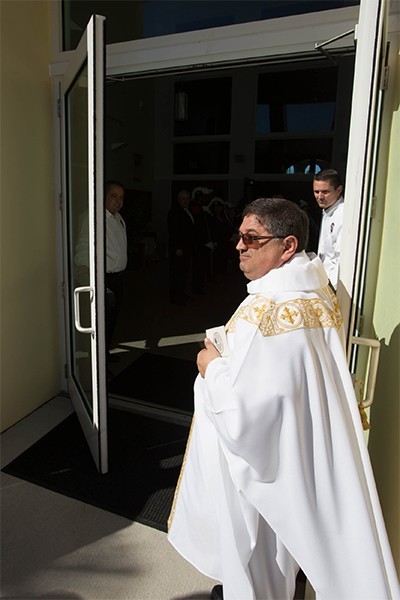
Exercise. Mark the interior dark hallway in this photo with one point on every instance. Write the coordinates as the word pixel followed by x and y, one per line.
pixel 149 325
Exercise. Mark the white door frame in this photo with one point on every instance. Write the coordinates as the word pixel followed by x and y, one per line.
pixel 259 40
pixel 90 401
pixel 361 155
pixel 266 40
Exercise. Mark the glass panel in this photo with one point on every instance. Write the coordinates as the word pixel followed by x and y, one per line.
pixel 78 228
pixel 296 101
pixel 201 158
pixel 133 19
pixel 303 155
pixel 203 107
pixel 310 116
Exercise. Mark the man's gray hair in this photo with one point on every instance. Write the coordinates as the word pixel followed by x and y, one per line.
pixel 280 217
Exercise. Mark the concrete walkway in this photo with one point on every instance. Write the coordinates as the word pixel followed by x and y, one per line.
pixel 54 547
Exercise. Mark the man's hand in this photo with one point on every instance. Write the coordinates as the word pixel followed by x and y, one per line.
pixel 206 355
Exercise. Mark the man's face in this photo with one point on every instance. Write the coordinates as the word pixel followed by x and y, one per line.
pixel 265 255
pixel 115 199
pixel 184 199
pixel 325 194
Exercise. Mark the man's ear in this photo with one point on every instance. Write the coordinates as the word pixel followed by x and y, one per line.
pixel 290 244
pixel 340 190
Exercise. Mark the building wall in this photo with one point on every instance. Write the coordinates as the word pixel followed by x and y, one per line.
pixel 384 440
pixel 30 356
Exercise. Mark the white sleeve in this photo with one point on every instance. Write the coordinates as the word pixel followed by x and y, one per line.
pixel 248 415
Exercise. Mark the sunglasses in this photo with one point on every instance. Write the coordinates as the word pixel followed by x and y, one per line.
pixel 250 240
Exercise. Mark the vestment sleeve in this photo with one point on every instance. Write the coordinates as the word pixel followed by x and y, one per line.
pixel 247 415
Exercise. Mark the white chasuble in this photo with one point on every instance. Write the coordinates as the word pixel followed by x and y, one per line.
pixel 277 475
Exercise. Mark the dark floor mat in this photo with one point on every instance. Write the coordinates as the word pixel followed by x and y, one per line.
pixel 145 456
pixel 162 380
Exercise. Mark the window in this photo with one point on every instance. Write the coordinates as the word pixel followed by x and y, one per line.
pixel 295 120
pixel 203 107
pixel 201 158
pixel 137 19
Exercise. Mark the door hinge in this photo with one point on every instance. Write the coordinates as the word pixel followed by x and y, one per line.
pixel 360 325
pixel 61 202
pixel 372 212
pixel 59 108
pixel 63 289
pixel 385 78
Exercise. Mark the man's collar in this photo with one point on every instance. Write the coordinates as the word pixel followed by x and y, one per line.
pixel 332 207
pixel 302 272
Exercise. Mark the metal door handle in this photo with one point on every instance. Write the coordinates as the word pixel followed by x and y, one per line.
pixel 374 346
pixel 77 315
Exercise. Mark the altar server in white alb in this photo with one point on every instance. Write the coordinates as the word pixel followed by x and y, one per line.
pixel 276 475
pixel 328 192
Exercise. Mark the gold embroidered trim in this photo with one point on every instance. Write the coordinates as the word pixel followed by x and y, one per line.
pixel 178 485
pixel 300 313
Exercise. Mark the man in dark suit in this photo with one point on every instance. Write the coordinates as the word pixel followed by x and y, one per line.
pixel 181 244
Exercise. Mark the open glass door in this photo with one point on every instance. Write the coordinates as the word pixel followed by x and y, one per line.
pixel 82 127
pixel 370 67
pixel 362 151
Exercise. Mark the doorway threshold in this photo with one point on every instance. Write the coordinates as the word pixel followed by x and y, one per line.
pixel 148 409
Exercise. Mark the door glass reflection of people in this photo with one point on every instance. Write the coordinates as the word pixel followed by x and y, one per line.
pixel 116 256
pixel 181 240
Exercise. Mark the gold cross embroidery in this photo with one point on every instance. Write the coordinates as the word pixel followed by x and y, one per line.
pixel 259 310
pixel 288 314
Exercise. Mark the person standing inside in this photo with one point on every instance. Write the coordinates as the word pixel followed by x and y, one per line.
pixel 181 246
pixel 204 245
pixel 328 192
pixel 116 258
pixel 221 233
pixel 277 475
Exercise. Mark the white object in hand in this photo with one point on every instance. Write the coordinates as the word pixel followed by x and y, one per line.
pixel 218 337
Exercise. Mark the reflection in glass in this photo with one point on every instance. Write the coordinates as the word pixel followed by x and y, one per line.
pixel 302 100
pixel 201 158
pixel 78 228
pixel 203 107
pixel 262 119
pixel 309 116
pixel 308 167
pixel 291 156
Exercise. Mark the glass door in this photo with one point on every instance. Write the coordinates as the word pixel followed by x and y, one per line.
pixel 362 153
pixel 82 111
pixel 355 264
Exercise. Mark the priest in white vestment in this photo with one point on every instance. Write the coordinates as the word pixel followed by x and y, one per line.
pixel 276 475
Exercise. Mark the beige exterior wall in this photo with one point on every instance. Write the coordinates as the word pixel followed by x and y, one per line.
pixel 29 321
pixel 384 441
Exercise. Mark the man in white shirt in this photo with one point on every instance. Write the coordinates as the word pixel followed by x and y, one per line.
pixel 277 475
pixel 328 191
pixel 116 256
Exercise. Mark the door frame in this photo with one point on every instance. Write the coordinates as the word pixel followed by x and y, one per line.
pixel 360 174
pixel 225 46
pixel 94 421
